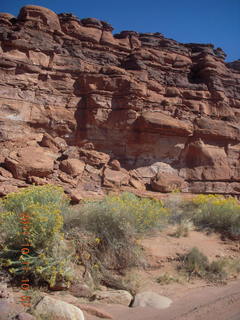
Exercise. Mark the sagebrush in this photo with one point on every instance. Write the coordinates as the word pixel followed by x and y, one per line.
pixel 114 226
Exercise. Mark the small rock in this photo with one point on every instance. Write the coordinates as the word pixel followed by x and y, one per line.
pixel 115 165
pixel 114 296
pixel 81 290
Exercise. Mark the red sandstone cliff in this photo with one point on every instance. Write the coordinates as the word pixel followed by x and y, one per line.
pixel 88 110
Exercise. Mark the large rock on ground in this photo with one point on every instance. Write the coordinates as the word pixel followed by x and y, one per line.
pixel 74 167
pixel 166 182
pixel 113 178
pixel 114 296
pixel 58 310
pixel 81 290
pixel 30 161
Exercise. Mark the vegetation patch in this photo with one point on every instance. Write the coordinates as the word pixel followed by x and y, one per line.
pixel 107 232
pixel 104 236
pixel 210 212
pixel 167 278
pixel 34 215
pixel 196 264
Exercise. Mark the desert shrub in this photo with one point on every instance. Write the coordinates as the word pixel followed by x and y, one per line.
pixel 183 228
pixel 140 214
pixel 233 266
pixel 195 263
pixel 114 224
pixel 41 210
pixel 174 204
pixel 210 212
pixel 166 278
pixel 216 270
pixel 217 213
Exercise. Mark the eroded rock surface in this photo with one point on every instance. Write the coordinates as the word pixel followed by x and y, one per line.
pixel 88 109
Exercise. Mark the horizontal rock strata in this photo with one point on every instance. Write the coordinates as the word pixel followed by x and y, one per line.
pixel 88 109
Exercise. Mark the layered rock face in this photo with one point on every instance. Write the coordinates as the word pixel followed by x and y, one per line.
pixel 90 110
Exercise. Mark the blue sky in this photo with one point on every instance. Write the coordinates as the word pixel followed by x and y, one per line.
pixel 203 21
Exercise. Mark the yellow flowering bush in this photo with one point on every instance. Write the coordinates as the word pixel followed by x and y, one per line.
pixel 32 218
pixel 217 213
pixel 144 214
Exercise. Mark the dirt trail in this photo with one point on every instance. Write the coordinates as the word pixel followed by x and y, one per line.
pixel 216 303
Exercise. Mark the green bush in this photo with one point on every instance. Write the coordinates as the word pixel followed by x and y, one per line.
pixel 183 229
pixel 41 209
pixel 195 263
pixel 116 222
pixel 168 279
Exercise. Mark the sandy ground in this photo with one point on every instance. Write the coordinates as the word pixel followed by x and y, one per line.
pixel 193 300
pixel 216 303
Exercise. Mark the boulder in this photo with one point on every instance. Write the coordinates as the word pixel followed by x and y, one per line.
pixel 114 296
pixel 58 310
pixel 115 165
pixel 151 299
pixel 94 158
pixel 73 167
pixel 52 143
pixel 81 290
pixel 7 188
pixel 205 161
pixel 167 182
pixel 113 178
pixel 30 161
